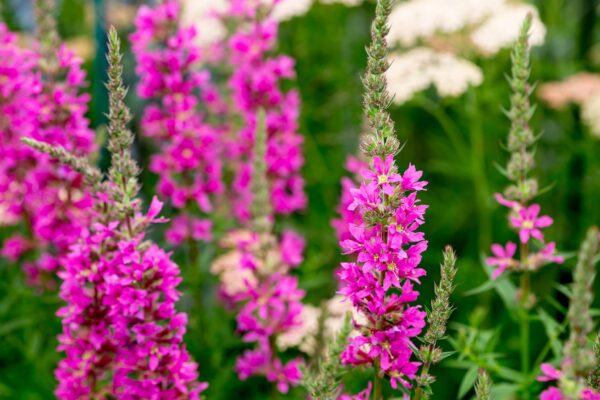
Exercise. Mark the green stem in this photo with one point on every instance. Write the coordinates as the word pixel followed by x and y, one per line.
pixel 424 372
pixel 525 304
pixel 377 383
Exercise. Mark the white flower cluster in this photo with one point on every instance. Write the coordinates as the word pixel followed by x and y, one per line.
pixel 481 26
pixel 419 19
pixel 417 69
pixel 582 89
pixel 204 15
pixel 347 3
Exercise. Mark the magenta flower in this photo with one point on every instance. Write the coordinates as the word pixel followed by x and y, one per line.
pixel 188 162
pixel 122 336
pixel 549 373
pixel 34 190
pixel 256 84
pixel 381 173
pixel 503 258
pixel 528 222
pixel 379 281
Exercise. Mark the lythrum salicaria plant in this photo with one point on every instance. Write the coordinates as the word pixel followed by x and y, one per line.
pixel 387 244
pixel 40 98
pixel 256 83
pixel 189 157
pixel 524 215
pixel 122 336
pixel 577 376
pixel 256 281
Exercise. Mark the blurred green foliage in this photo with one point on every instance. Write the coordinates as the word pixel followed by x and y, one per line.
pixel 457 142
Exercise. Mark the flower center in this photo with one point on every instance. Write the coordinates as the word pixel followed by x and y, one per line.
pixel 528 224
pixel 186 153
pixel 391 266
pixel 381 179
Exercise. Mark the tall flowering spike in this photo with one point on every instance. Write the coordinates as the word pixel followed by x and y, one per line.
pixel 123 172
pixel 524 217
pixel 40 98
pixel 521 136
pixel 577 348
pixel 437 320
pixel 122 336
pixel 257 282
pixel 483 387
pixel 257 83
pixel 183 105
pixel 386 241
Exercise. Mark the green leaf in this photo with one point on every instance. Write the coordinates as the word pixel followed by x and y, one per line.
pixel 468 381
pixel 553 330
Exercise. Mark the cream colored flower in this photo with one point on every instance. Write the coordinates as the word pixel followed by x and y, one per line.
pixel 303 336
pixel 347 3
pixel 576 89
pixel 288 9
pixel 502 28
pixel 418 19
pixel 203 14
pixel 590 113
pixel 421 67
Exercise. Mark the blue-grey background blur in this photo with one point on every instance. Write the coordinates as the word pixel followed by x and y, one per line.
pixel 328 44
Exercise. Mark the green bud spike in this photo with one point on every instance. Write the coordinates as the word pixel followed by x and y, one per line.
pixel 578 349
pixel 521 137
pixel 261 202
pixel 123 171
pixel 92 176
pixel 382 141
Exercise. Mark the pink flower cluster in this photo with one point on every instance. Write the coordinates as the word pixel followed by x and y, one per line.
pixel 51 111
pixel 380 282
pixel 527 221
pixel 256 84
pixel 189 162
pixel 121 334
pixel 268 301
pixel 549 373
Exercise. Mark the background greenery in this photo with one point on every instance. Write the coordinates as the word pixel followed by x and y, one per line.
pixel 457 142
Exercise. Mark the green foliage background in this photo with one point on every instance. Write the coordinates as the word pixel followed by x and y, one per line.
pixel 457 143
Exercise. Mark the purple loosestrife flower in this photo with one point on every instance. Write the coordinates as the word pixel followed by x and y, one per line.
pixel 189 160
pixel 122 336
pixel 40 98
pixel 256 281
pixel 524 217
pixel 385 239
pixel 256 84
